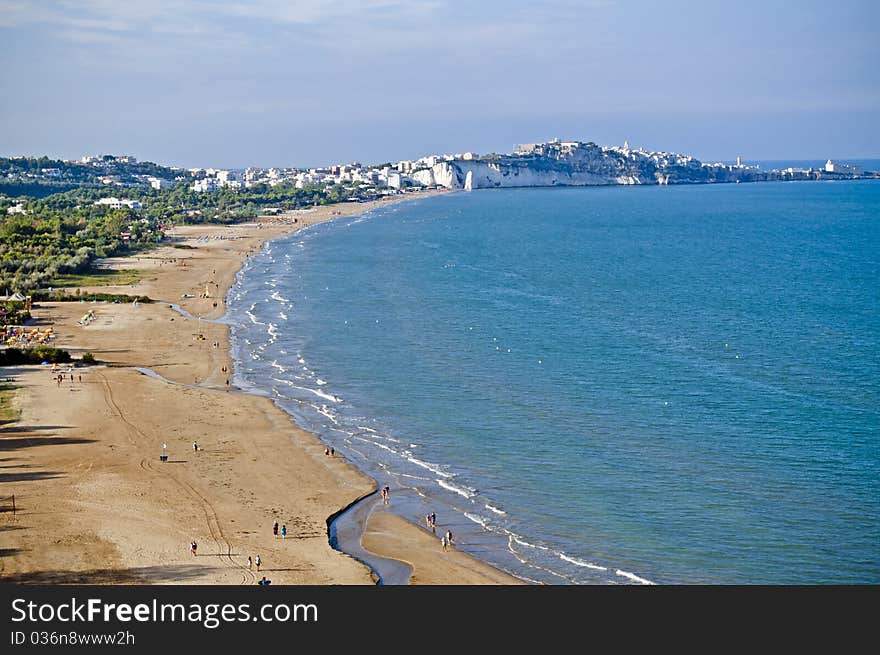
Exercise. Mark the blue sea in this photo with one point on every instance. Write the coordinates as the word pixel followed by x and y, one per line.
pixel 674 384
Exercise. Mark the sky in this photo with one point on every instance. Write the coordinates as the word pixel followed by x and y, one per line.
pixel 235 83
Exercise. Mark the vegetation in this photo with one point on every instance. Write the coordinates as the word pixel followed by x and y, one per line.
pixel 55 231
pixel 7 410
pixel 14 313
pixel 61 295
pixel 101 277
pixel 88 358
pixel 37 355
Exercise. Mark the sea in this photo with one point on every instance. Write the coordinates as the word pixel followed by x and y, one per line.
pixel 602 385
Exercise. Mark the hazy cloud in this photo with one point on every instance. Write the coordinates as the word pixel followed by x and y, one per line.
pixel 213 80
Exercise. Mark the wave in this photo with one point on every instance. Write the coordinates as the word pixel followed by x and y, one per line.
pixel 277 296
pixel 467 492
pixel 325 411
pixel 479 520
pixel 253 318
pixel 633 577
pixel 282 316
pixel 580 562
pixel 317 392
pixel 523 542
pixel 511 538
pixel 433 468
pixel 378 445
pixel 495 509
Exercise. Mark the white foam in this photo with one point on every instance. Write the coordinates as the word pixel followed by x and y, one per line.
pixel 511 538
pixel 633 577
pixel 414 477
pixel 495 509
pixel 320 382
pixel 433 468
pixel 252 317
pixel 377 444
pixel 479 520
pixel 466 492
pixel 317 392
pixel 523 542
pixel 273 331
pixel 277 296
pixel 282 316
pixel 325 411
pixel 580 562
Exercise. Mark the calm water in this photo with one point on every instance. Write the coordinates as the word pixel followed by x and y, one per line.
pixel 612 385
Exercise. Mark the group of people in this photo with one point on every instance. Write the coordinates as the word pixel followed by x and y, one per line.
pixel 283 530
pixel 254 562
pixel 431 523
pixel 386 490
pixel 329 451
pixel 60 378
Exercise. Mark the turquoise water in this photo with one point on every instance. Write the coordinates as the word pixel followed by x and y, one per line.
pixel 598 385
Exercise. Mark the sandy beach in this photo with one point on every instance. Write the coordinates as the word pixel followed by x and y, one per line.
pixel 94 502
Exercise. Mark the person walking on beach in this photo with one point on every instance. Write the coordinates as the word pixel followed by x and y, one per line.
pixel 385 491
pixel 195 447
pixel 449 536
pixel 428 520
pixel 257 563
pixel 193 547
pixel 250 563
pixel 444 542
pixel 284 531
pixel 433 521
pixel 275 529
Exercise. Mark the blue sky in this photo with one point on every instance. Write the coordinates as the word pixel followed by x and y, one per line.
pixel 268 82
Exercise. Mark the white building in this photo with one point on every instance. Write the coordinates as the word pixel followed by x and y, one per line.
pixel 226 176
pixel 206 184
pixel 158 182
pixel 117 203
pixel 17 209
pixel 846 169
pixel 395 180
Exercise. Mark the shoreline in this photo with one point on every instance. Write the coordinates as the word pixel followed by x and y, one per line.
pixel 116 520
